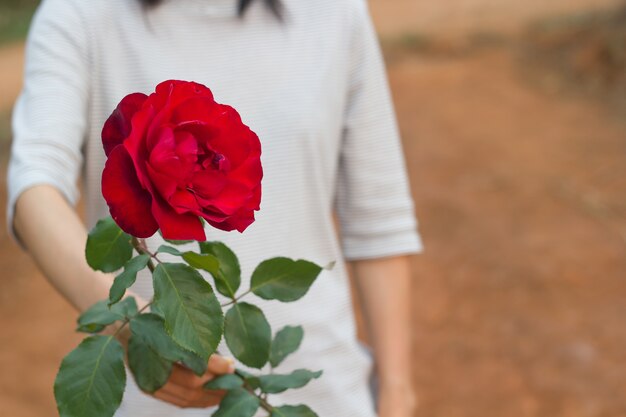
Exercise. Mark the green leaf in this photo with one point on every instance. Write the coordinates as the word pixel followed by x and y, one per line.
pixel 250 379
pixel 193 316
pixel 154 309
pixel 283 279
pixel 228 278
pixel 273 384
pixel 166 347
pixel 127 278
pixel 150 327
pixel 170 250
pixel 193 362
pixel 206 262
pixel 248 334
pixel 108 247
pixel 128 307
pixel 230 381
pixel 98 316
pixel 91 379
pixel 253 381
pixel 238 403
pixel 293 411
pixel 285 343
pixel 151 353
pixel 150 369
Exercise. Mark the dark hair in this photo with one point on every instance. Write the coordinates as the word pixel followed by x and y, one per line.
pixel 274 5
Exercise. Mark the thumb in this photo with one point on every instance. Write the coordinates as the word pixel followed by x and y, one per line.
pixel 220 365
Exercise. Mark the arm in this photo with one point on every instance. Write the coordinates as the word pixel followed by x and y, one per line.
pixel 49 124
pixel 384 290
pixel 376 215
pixel 52 232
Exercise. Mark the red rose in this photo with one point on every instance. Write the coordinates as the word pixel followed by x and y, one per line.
pixel 176 156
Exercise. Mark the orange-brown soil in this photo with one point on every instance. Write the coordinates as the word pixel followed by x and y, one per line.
pixel 520 296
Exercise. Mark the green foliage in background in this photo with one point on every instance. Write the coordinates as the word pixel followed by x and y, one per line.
pixel 5 128
pixel 15 16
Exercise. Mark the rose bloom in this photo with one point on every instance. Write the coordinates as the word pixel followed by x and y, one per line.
pixel 176 156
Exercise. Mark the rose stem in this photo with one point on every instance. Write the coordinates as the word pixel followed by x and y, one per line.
pixel 141 247
pixel 128 319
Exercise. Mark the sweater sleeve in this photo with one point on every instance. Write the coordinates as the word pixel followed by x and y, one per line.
pixel 50 116
pixel 373 201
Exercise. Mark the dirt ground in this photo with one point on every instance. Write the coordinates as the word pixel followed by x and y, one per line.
pixel 458 17
pixel 520 297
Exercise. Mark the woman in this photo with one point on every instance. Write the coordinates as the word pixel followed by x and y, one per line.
pixel 312 85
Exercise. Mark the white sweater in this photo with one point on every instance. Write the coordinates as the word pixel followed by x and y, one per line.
pixel 313 88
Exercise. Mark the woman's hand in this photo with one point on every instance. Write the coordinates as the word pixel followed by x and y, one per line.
pixel 184 388
pixel 384 289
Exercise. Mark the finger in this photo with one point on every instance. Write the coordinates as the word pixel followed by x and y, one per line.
pixel 171 389
pixel 221 365
pixel 186 378
pixel 192 397
pixel 169 398
pixel 209 401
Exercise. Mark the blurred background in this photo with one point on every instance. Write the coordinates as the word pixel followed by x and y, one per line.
pixel 513 116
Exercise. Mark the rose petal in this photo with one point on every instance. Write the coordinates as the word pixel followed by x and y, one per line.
pixel 255 201
pixel 250 172
pixel 208 184
pixel 234 139
pixel 219 127
pixel 162 147
pixel 239 221
pixel 169 94
pixel 202 131
pixel 183 201
pixel 174 160
pixel 232 198
pixel 159 135
pixel 212 215
pixel 176 91
pixel 176 226
pixel 186 146
pixel 163 184
pixel 135 144
pixel 129 203
pixel 118 126
pixel 196 109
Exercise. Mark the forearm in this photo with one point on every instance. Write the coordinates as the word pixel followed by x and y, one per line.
pixel 55 237
pixel 384 290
